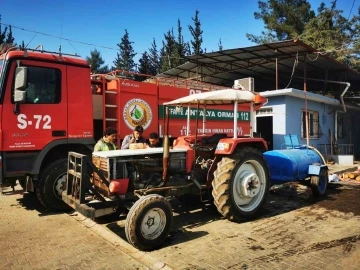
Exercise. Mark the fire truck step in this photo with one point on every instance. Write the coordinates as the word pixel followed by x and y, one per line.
pixel 111 92
pixel 111 119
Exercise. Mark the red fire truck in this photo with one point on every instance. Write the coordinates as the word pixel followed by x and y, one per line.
pixel 50 104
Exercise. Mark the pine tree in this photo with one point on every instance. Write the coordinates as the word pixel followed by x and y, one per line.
pixel 220 45
pixel 97 62
pixel 170 57
pixel 154 59
pixel 283 19
pixel 125 56
pixel 145 66
pixel 6 39
pixel 196 33
pixel 182 47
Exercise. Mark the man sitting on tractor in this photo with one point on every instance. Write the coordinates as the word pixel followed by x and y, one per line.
pixel 135 137
pixel 106 143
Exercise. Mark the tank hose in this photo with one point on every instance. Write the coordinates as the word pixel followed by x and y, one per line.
pixel 317 151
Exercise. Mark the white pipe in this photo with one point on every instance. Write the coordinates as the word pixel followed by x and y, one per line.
pixel 204 118
pixel 235 118
pixel 252 120
pixel 188 121
pixel 338 82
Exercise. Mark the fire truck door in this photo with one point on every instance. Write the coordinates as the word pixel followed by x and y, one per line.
pixel 43 117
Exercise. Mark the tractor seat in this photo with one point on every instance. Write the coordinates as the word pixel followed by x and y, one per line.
pixel 215 138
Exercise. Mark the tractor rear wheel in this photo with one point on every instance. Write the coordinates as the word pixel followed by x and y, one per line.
pixel 319 183
pixel 149 221
pixel 241 184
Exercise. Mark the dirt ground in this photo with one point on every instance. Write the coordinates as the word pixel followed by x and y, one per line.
pixel 294 230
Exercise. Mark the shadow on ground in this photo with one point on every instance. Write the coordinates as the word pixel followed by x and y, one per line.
pixel 190 213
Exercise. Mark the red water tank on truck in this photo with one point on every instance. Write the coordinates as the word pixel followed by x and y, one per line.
pixel 50 104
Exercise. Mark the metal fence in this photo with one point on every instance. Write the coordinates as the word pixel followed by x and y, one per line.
pixel 336 149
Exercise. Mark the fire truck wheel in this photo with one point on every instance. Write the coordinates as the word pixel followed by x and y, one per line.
pixel 148 222
pixel 51 183
pixel 241 184
pixel 319 183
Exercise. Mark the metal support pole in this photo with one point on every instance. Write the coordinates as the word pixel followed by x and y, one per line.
pixel 235 118
pixel 204 118
pixel 277 75
pixel 306 108
pixel 188 121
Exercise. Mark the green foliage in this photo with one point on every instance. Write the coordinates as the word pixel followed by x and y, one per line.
pixel 283 19
pixel 6 38
pixel 220 45
pixel 154 59
pixel 334 35
pixel 125 56
pixel 196 33
pixel 96 62
pixel 328 31
pixel 145 66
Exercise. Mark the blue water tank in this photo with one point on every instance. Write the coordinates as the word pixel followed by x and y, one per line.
pixel 290 164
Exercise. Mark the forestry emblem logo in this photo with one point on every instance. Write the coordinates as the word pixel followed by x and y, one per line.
pixel 137 112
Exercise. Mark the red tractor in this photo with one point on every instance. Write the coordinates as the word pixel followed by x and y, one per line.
pixel 231 168
pixel 51 104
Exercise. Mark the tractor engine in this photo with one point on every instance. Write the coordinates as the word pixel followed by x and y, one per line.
pixel 145 172
pixel 203 162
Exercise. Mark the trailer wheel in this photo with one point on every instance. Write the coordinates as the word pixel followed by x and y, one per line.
pixel 241 184
pixel 319 183
pixel 51 184
pixel 148 222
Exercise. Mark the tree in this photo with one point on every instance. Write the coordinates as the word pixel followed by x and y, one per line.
pixel 183 47
pixel 170 54
pixel 154 59
pixel 126 54
pixel 196 34
pixel 328 31
pixel 334 35
pixel 6 38
pixel 96 62
pixel 145 66
pixel 220 45
pixel 283 19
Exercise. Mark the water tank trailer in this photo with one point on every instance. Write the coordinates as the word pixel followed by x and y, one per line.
pixel 298 163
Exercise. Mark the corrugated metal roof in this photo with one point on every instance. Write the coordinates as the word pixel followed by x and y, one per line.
pixel 259 62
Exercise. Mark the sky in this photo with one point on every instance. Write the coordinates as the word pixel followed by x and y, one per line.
pixel 103 23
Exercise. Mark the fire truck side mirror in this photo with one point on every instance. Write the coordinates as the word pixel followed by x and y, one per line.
pixel 20 84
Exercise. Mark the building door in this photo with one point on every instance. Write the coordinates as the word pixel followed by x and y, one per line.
pixel 264 128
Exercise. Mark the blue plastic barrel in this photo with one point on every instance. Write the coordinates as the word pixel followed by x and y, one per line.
pixel 290 164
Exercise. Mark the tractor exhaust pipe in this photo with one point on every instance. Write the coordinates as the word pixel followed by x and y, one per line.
pixel 166 145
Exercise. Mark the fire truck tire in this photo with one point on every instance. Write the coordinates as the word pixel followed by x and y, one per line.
pixel 51 184
pixel 241 184
pixel 148 222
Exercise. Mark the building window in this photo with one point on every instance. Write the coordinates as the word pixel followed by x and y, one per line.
pixel 44 85
pixel 313 118
pixel 340 126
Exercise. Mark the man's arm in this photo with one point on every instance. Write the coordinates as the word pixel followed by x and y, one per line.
pixel 126 142
pixel 97 147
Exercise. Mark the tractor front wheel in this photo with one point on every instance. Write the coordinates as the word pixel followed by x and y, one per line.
pixel 241 184
pixel 149 221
